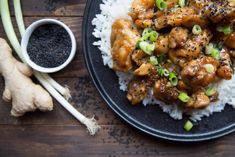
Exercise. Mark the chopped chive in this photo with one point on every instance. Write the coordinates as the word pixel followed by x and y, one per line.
pixel 225 29
pixel 182 3
pixel 161 4
pixel 211 91
pixel 209 68
pixel 147 47
pixel 196 29
pixel 188 125
pixel 173 79
pixel 184 97
pixel 153 60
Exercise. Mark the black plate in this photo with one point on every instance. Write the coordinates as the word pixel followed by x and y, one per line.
pixel 150 119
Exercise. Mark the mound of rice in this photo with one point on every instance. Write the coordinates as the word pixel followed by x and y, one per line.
pixel 113 9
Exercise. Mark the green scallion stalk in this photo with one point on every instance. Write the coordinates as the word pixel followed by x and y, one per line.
pixel 211 91
pixel 209 68
pixel 183 97
pixel 173 79
pixel 161 4
pixel 182 3
pixel 91 124
pixel 225 29
pixel 188 125
pixel 153 60
pixel 147 47
pixel 196 29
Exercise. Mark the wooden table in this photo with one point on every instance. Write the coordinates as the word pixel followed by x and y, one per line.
pixel 57 133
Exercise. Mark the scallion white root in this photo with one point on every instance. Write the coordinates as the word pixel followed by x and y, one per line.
pixel 91 123
pixel 20 22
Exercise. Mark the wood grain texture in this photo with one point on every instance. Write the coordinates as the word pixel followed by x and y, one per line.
pixel 58 134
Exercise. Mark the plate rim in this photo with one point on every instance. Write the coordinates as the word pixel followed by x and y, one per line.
pixel 134 123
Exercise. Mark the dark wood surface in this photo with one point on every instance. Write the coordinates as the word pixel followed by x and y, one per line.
pixel 57 133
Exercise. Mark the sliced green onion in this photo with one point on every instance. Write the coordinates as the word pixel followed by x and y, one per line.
pixel 166 72
pixel 173 79
pixel 209 68
pixel 225 29
pixel 153 36
pixel 209 48
pixel 196 29
pixel 188 125
pixel 184 97
pixel 160 71
pixel 182 3
pixel 147 47
pixel 211 91
pixel 150 34
pixel 161 4
pixel 153 60
pixel 215 53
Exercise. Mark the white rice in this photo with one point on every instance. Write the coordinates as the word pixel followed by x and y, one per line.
pixel 113 9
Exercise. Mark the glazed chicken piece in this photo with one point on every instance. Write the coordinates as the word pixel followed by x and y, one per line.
pixel 162 45
pixel 123 42
pixel 198 100
pixel 195 73
pixel 163 91
pixel 142 12
pixel 144 69
pixel 181 17
pixel 178 37
pixel 230 41
pixel 191 49
pixel 225 71
pixel 215 10
pixel 171 3
pixel 137 91
pixel 139 57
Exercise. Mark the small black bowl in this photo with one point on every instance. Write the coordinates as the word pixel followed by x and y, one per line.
pixel 150 119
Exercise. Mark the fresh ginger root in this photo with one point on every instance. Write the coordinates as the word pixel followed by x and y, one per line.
pixel 25 95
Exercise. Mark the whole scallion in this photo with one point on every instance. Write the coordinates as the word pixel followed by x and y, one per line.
pixel 161 4
pixel 183 97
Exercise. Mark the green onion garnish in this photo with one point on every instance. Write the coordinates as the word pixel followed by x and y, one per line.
pixel 150 34
pixel 153 60
pixel 225 29
pixel 211 91
pixel 173 79
pixel 166 72
pixel 160 71
pixel 209 68
pixel 184 97
pixel 153 36
pixel 209 48
pixel 196 29
pixel 147 47
pixel 215 53
pixel 161 4
pixel 182 3
pixel 188 125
